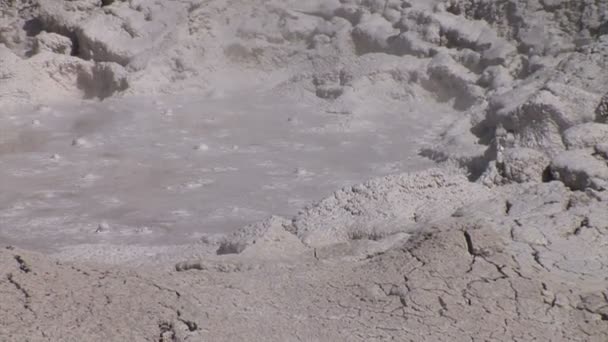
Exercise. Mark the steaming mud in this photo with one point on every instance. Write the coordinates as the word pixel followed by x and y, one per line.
pixel 169 169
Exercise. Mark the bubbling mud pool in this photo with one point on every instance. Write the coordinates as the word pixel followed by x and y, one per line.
pixel 170 170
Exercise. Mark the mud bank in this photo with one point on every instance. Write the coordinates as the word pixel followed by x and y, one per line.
pixel 504 240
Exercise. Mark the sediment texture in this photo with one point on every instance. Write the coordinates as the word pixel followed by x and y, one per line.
pixel 505 242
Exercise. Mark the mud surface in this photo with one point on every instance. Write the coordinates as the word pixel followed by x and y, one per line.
pixel 437 170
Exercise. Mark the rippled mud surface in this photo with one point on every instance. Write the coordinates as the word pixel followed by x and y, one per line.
pixel 167 170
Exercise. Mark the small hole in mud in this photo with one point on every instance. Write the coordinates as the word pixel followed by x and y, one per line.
pixel 32 27
pixel 75 48
pixel 547 176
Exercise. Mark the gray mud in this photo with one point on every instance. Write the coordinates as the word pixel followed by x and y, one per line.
pixel 320 171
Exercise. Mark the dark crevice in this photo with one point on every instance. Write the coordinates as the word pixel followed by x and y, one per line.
pixel 547 176
pixel 167 332
pixel 417 258
pixel 405 283
pixel 475 166
pixel 192 326
pixel 471 250
pixel 469 241
pixel 508 206
pixel 403 301
pixel 75 46
pixel 230 247
pixel 484 130
pixel 177 294
pixel 189 265
pixel 536 256
pixel 444 90
pixel 466 297
pixel 553 301
pixel 20 288
pixel 100 83
pixel 584 224
pixel 40 24
pixel 443 304
pixel 32 27
pixel 23 266
pixel 499 269
pixel 603 316
pixel 569 204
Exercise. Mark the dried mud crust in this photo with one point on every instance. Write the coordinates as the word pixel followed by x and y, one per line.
pixel 47 300
pixel 527 265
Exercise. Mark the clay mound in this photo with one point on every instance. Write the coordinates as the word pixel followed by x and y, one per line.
pixel 385 206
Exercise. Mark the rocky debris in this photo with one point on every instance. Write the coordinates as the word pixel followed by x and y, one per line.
pixel 269 237
pixel 166 48
pixel 602 150
pixel 371 34
pixel 409 43
pixel 120 33
pixel 103 227
pixel 523 165
pixel 541 27
pixel 459 145
pixel 601 112
pixel 537 116
pixel 18 26
pixel 384 206
pixel 222 266
pixel 455 81
pixel 81 142
pixel 41 77
pixel 149 52
pixel 116 33
pixel 586 135
pixel 329 86
pixel 544 86
pixel 496 78
pixel 103 80
pixel 52 42
pixel 579 169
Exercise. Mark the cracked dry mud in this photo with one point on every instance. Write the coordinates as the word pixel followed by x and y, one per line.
pixel 506 239
pixel 536 271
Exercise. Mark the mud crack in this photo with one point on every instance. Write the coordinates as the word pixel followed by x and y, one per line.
pixel 192 326
pixel 167 332
pixel 23 266
pixel 26 295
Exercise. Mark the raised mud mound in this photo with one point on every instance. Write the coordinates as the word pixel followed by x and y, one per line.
pixel 506 243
